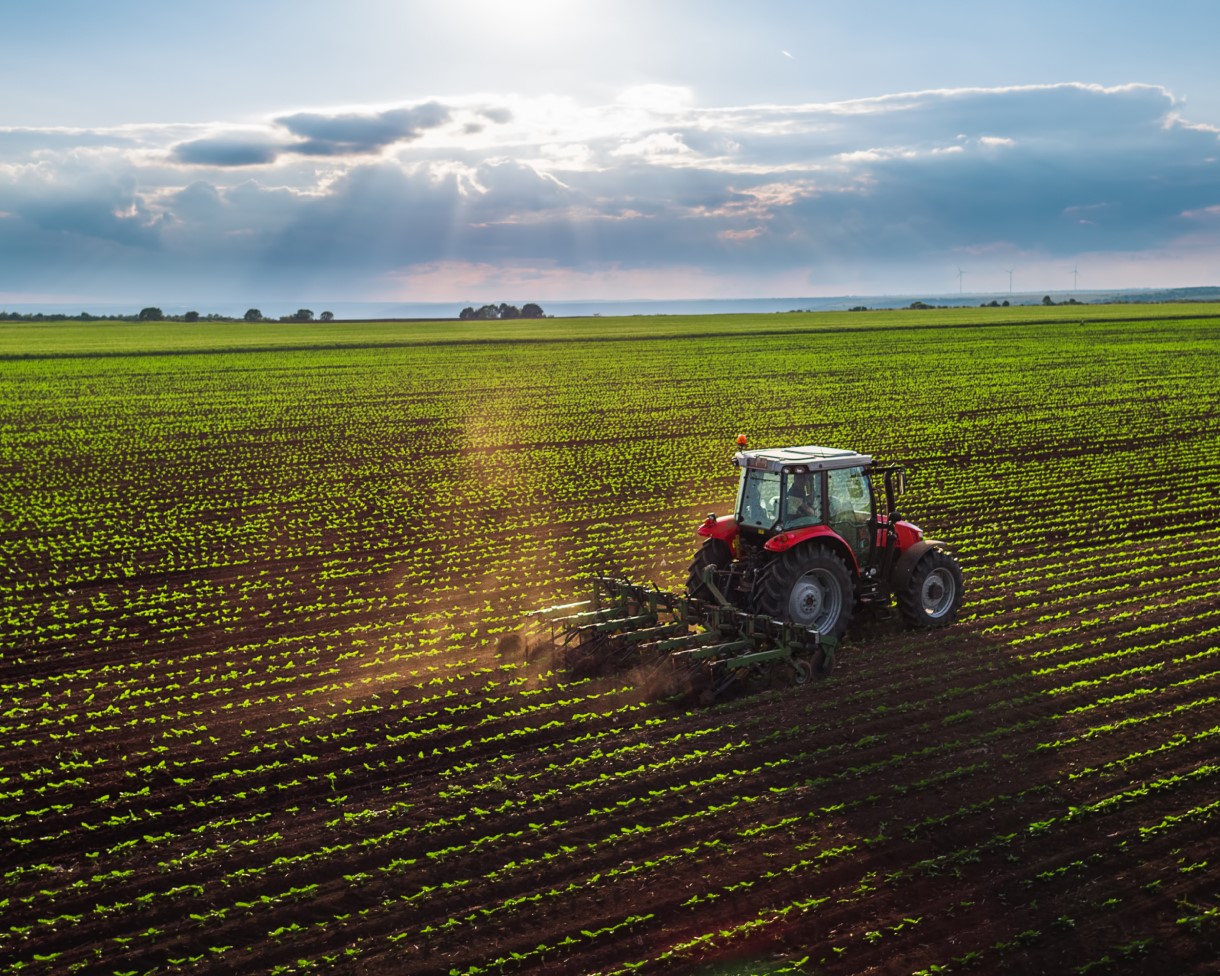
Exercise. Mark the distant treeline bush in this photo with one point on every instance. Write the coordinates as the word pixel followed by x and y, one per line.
pixel 110 317
pixel 154 314
pixel 503 311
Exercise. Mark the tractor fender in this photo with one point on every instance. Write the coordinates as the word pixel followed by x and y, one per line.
pixel 817 534
pixel 900 577
pixel 723 528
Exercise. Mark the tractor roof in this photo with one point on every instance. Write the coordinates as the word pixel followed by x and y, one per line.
pixel 809 458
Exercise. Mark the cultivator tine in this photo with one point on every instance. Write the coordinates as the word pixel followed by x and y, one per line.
pixel 565 633
pixel 682 641
pixel 615 624
pixel 649 635
pixel 710 651
pixel 546 611
pixel 577 619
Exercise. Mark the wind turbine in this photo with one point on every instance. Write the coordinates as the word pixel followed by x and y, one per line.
pixel 1074 274
pixel 1010 271
pixel 960 274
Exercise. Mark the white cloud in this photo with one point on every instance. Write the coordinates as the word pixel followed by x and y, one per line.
pixel 741 235
pixel 642 192
pixel 656 146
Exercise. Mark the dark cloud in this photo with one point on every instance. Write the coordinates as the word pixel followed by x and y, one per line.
pixel 88 235
pixel 358 133
pixel 501 116
pixel 95 206
pixel 1059 118
pixel 495 115
pixel 517 190
pixel 375 217
pixel 316 134
pixel 198 198
pixel 225 151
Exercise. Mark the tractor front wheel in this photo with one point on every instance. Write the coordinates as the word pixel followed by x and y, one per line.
pixel 934 593
pixel 810 586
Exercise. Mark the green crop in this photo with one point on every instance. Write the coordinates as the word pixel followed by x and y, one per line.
pixel 255 701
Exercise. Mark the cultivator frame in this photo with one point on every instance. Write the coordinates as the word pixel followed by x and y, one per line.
pixel 695 646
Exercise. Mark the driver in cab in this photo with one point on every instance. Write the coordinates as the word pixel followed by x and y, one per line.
pixel 801 501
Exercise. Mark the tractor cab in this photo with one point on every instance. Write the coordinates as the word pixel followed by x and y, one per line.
pixel 788 495
pixel 796 488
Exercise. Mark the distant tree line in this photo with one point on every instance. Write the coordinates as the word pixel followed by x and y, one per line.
pixel 502 311
pixel 154 314
pixel 991 304
pixel 300 315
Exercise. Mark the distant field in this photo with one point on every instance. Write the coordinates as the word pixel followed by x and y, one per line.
pixel 253 717
pixel 60 338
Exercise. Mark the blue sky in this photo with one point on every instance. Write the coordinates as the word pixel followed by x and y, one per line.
pixel 472 151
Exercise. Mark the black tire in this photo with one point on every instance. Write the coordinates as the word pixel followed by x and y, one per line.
pixel 808 585
pixel 934 594
pixel 715 552
pixel 803 672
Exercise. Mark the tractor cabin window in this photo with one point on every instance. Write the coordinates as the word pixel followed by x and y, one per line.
pixel 851 507
pixel 802 499
pixel 758 500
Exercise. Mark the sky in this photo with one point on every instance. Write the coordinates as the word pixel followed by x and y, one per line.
pixel 470 151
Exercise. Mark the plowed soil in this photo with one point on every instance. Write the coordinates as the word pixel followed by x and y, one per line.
pixel 312 729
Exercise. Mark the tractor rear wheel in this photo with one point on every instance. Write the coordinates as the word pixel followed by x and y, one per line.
pixel 715 552
pixel 934 593
pixel 811 586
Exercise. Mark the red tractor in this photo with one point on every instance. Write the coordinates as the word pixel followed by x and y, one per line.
pixel 771 592
pixel 816 533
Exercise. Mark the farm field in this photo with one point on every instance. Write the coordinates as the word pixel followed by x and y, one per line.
pixel 264 707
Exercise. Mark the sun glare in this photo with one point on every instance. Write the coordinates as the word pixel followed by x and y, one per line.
pixel 529 25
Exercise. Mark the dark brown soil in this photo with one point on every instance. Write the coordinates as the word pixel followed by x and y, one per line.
pixel 936 802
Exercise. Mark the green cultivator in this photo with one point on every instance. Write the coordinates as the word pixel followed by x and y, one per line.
pixel 690 645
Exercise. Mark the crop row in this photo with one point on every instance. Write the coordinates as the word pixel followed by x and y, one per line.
pixel 262 703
